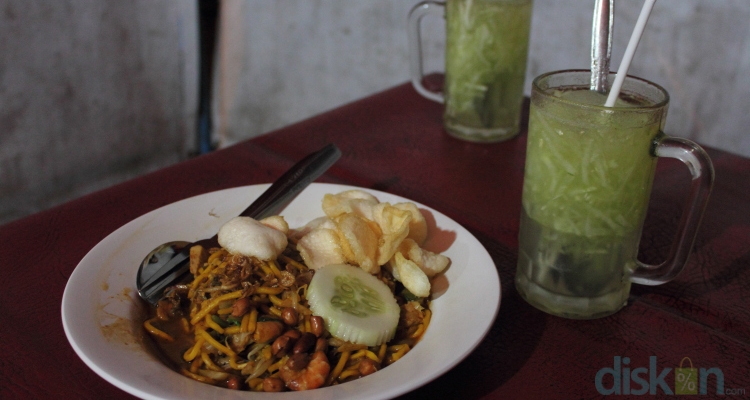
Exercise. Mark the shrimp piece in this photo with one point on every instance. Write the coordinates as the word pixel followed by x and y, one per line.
pixel 311 376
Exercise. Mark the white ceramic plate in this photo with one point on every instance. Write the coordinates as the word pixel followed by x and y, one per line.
pixel 102 314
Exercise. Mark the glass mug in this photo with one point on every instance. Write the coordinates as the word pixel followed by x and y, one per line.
pixel 486 47
pixel 588 177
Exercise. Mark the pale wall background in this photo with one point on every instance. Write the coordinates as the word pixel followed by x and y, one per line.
pixel 91 93
pixel 95 92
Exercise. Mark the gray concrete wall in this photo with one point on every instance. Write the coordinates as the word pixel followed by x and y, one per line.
pixel 91 93
pixel 95 92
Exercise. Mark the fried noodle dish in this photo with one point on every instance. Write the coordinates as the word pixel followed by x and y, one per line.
pixel 276 309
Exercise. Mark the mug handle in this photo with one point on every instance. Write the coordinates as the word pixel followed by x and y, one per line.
pixel 415 46
pixel 702 171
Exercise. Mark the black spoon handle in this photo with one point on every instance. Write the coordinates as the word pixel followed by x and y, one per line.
pixel 271 202
pixel 289 185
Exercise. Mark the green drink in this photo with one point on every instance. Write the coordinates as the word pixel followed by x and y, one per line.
pixel 585 196
pixel 486 48
pixel 589 171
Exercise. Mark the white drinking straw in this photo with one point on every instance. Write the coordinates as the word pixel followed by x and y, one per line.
pixel 629 51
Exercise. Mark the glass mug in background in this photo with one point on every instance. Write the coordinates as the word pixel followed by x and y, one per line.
pixel 486 47
pixel 588 177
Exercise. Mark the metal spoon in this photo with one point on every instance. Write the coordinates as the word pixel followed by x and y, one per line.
pixel 169 263
pixel 601 43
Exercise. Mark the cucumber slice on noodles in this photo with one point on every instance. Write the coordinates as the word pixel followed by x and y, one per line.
pixel 356 306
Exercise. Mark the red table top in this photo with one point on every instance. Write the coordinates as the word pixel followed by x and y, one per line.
pixel 394 142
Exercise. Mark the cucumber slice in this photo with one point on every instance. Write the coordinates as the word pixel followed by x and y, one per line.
pixel 356 306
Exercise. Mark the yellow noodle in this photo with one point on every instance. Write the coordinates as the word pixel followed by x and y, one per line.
pixel 185 325
pixel 220 266
pixel 358 354
pixel 302 310
pixel 232 330
pixel 200 325
pixel 422 326
pixel 249 321
pixel 157 332
pixel 288 260
pixel 398 347
pixel 381 352
pixel 256 384
pixel 216 255
pixel 269 290
pixel 193 352
pixel 224 349
pixel 277 365
pixel 245 321
pixel 274 269
pixel 275 300
pixel 427 317
pixel 213 303
pixel 266 269
pixel 213 325
pixel 196 364
pixel 400 352
pixel 253 323
pixel 339 367
pixel 198 279
pixel 348 373
pixel 372 356
pixel 197 377
pixel 225 311
pixel 275 311
pixel 418 332
pixel 209 363
pixel 266 352
pixel 350 347
pixel 233 363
